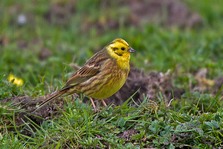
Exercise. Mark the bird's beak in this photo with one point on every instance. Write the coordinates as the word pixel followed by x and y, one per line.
pixel 131 50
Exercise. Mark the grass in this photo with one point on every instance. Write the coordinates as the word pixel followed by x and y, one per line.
pixel 194 121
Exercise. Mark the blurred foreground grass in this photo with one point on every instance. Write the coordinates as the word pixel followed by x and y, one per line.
pixel 195 120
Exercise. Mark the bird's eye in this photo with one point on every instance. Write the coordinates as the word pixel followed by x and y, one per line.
pixel 122 48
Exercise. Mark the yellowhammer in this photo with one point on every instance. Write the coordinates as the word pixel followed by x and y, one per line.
pixel 102 75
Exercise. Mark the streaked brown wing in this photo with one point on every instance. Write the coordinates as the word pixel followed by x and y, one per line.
pixel 82 75
pixel 91 68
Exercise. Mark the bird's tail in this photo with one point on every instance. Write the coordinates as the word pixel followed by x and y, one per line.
pixel 52 97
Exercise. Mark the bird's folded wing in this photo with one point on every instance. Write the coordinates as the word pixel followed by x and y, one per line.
pixel 91 68
pixel 82 75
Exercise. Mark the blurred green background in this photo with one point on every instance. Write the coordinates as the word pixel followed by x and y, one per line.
pixel 41 40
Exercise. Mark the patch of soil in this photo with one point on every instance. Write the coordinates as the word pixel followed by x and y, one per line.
pixel 27 106
pixel 26 117
pixel 141 85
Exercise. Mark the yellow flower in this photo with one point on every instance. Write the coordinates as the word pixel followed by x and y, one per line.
pixel 15 80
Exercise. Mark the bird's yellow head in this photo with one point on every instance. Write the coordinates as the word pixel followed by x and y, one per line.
pixel 120 47
pixel 120 50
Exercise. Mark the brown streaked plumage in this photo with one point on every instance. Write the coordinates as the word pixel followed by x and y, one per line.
pixel 102 75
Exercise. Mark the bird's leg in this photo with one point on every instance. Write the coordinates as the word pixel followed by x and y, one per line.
pixel 104 103
pixel 92 102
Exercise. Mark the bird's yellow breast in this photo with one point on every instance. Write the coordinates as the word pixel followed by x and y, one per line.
pixel 109 83
pixel 111 87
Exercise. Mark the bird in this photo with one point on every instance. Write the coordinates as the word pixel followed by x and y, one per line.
pixel 101 76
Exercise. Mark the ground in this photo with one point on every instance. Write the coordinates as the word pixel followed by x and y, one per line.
pixel 172 97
